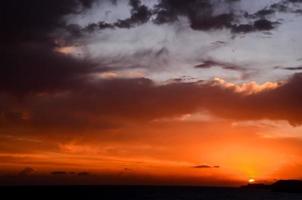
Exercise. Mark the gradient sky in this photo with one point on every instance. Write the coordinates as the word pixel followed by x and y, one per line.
pixel 160 91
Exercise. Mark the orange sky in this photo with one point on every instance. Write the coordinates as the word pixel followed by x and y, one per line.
pixel 163 148
pixel 151 92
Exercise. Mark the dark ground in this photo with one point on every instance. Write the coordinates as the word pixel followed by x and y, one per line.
pixel 142 193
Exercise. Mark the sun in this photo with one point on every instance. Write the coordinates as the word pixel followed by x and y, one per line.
pixel 251 181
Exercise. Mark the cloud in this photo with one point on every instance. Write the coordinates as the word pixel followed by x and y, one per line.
pixel 263 25
pixel 30 34
pixel 258 25
pixel 26 171
pixel 140 14
pixel 64 173
pixel 283 6
pixel 108 104
pixel 247 88
pixel 289 68
pixel 202 15
pixel 206 167
pixel 34 20
pixel 202 167
pixel 33 67
pixel 212 63
pixel 58 173
pixel 83 174
pixel 167 11
pixel 265 12
pixel 59 92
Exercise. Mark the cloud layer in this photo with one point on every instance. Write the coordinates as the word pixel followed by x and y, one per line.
pixel 113 102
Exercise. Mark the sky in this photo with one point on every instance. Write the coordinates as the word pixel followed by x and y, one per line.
pixel 195 92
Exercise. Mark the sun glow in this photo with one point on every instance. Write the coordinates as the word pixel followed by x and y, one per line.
pixel 251 181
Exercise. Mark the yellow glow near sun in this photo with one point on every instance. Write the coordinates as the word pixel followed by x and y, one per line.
pixel 251 180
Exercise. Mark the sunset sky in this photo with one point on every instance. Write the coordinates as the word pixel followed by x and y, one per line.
pixel 205 92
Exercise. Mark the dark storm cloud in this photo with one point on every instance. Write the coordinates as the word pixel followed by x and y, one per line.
pixel 110 103
pixel 289 68
pixel 212 63
pixel 96 26
pixel 140 14
pixel 200 13
pixel 265 12
pixel 258 25
pixel 263 25
pixel 29 37
pixel 169 10
pixel 34 19
pixel 283 6
pixel 201 16
pixel 33 67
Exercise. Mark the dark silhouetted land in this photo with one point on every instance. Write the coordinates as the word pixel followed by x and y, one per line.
pixel 147 192
pixel 279 186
